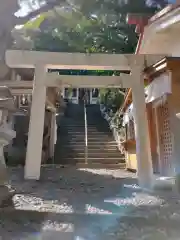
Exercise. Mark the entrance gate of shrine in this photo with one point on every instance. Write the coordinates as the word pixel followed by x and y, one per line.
pixel 42 61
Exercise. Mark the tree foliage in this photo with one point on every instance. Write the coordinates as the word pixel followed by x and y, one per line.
pixel 111 98
pixel 90 26
pixel 110 12
pixel 86 26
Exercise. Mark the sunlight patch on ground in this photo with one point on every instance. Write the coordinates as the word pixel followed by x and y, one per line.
pixel 97 171
pixel 94 210
pixel 29 202
pixel 135 200
pixel 115 173
pixel 132 186
pixel 53 230
pixel 57 226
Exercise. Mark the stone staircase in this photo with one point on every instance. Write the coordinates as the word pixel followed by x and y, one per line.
pixel 70 148
pixel 102 148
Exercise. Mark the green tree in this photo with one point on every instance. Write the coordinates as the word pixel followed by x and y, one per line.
pixel 91 26
pixel 9 10
pixel 87 26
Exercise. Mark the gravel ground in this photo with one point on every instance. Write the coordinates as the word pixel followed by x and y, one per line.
pixel 86 204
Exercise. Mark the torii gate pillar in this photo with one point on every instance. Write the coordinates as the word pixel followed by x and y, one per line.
pixel 143 152
pixel 36 125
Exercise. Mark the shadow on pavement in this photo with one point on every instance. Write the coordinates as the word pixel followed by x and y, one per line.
pixel 90 205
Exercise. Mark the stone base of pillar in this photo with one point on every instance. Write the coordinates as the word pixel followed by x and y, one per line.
pixel 163 183
pixel 177 183
pixel 6 196
pixel 6 192
pixel 3 174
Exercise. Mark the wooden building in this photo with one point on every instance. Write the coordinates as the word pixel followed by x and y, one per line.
pixel 162 96
pixel 162 87
pixel 20 82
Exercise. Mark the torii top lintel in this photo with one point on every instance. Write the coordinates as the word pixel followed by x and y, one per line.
pixel 55 60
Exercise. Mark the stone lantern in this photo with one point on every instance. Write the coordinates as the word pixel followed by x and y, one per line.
pixel 7 107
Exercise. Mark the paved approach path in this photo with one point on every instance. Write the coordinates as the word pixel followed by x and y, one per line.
pixel 85 204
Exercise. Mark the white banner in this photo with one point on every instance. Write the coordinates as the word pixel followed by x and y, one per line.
pixel 156 89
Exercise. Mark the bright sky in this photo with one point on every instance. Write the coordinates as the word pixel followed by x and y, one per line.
pixel 25 8
pixel 22 12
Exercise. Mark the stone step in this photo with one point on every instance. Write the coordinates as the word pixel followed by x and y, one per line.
pixel 82 136
pixel 89 160
pixel 73 126
pixel 94 165
pixel 103 142
pixel 74 132
pixel 108 139
pixel 74 155
pixel 101 165
pixel 90 155
pixel 98 133
pixel 79 124
pixel 80 131
pixel 95 128
pixel 90 139
pixel 91 149
pixel 90 145
pixel 95 157
pixel 96 152
pixel 67 146
pixel 71 143
pixel 82 139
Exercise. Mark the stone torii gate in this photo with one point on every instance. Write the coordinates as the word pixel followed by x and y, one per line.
pixel 42 61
